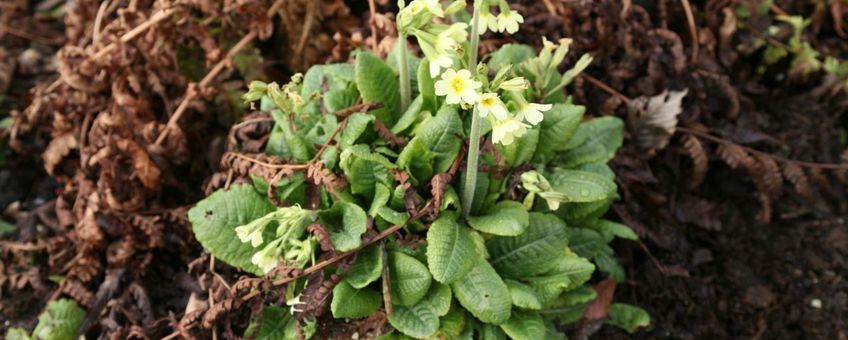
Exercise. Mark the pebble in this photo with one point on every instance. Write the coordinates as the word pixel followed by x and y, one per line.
pixel 816 303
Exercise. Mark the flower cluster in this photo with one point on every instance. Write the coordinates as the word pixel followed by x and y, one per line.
pixel 442 44
pixel 460 87
pixel 506 21
pixel 288 244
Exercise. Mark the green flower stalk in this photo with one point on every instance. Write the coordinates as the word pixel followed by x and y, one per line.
pixel 474 135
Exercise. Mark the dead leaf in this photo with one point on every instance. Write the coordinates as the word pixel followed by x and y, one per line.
pixel 58 148
pixel 653 119
pixel 599 308
pixel 143 167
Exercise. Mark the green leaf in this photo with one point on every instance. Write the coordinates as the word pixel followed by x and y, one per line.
pixel 215 218
pixel 523 296
pixel 522 149
pixel 581 186
pixel 607 263
pixel 483 293
pixel 603 137
pixel 336 76
pixel 450 250
pixel 426 86
pixel 506 218
pixel 346 223
pixel 364 169
pixel 367 268
pixel 557 129
pixel 617 229
pixel 439 298
pixel 525 325
pixel 440 135
pixel 340 99
pixel 418 321
pixel 6 228
pixel 627 317
pixel 581 213
pixel 409 118
pixel 277 324
pixel 349 302
pixel 16 333
pixel 533 252
pixel 417 159
pixel 569 272
pixel 510 54
pixel 378 83
pixel 585 242
pixel 357 124
pixel 452 324
pixel 410 279
pixel 59 320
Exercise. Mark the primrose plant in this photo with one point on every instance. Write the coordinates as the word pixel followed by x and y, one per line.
pixel 464 201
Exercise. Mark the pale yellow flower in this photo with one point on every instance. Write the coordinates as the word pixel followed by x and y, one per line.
pixel 533 113
pixel 491 103
pixel 508 21
pixel 506 131
pixel 458 87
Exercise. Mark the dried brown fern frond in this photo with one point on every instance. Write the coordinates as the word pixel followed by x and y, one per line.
pixel 696 152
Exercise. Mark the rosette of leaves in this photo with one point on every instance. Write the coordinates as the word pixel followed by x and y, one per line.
pixel 517 266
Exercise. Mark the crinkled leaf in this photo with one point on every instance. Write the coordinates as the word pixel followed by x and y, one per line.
pixel 417 159
pixel 357 124
pixel 585 242
pixel 525 325
pixel 277 324
pixel 378 83
pixel 340 99
pixel 410 279
pixel 350 302
pixel 439 298
pixel 483 293
pixel 452 324
pixel 578 295
pixel 510 54
pixel 410 117
pixel 560 124
pixel 603 137
pixel 580 213
pixel 522 149
pixel 450 250
pixel 16 333
pixel 506 218
pixel 441 135
pixel 523 296
pixel 364 169
pixel 367 268
pixel 418 321
pixel 533 252
pixel 215 218
pixel 346 223
pixel 581 186
pixel 627 317
pixel 59 320
pixel 569 272
pixel 607 263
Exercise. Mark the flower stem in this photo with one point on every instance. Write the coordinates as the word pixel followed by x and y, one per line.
pixel 474 142
pixel 403 73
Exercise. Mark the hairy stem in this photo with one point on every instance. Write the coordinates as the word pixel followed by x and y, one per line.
pixel 474 142
pixel 403 72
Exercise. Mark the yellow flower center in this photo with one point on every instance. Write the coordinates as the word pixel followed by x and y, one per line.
pixel 488 101
pixel 457 84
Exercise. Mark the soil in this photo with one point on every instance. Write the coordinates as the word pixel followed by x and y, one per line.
pixel 727 249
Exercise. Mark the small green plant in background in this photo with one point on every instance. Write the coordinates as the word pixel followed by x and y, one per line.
pixel 804 58
pixel 505 246
pixel 60 320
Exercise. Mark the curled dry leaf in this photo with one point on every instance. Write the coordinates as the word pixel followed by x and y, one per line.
pixel 653 119
pixel 58 148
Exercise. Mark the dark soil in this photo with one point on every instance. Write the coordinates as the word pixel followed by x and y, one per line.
pixel 734 255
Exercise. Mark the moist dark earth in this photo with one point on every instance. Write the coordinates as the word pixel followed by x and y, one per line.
pixel 728 249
